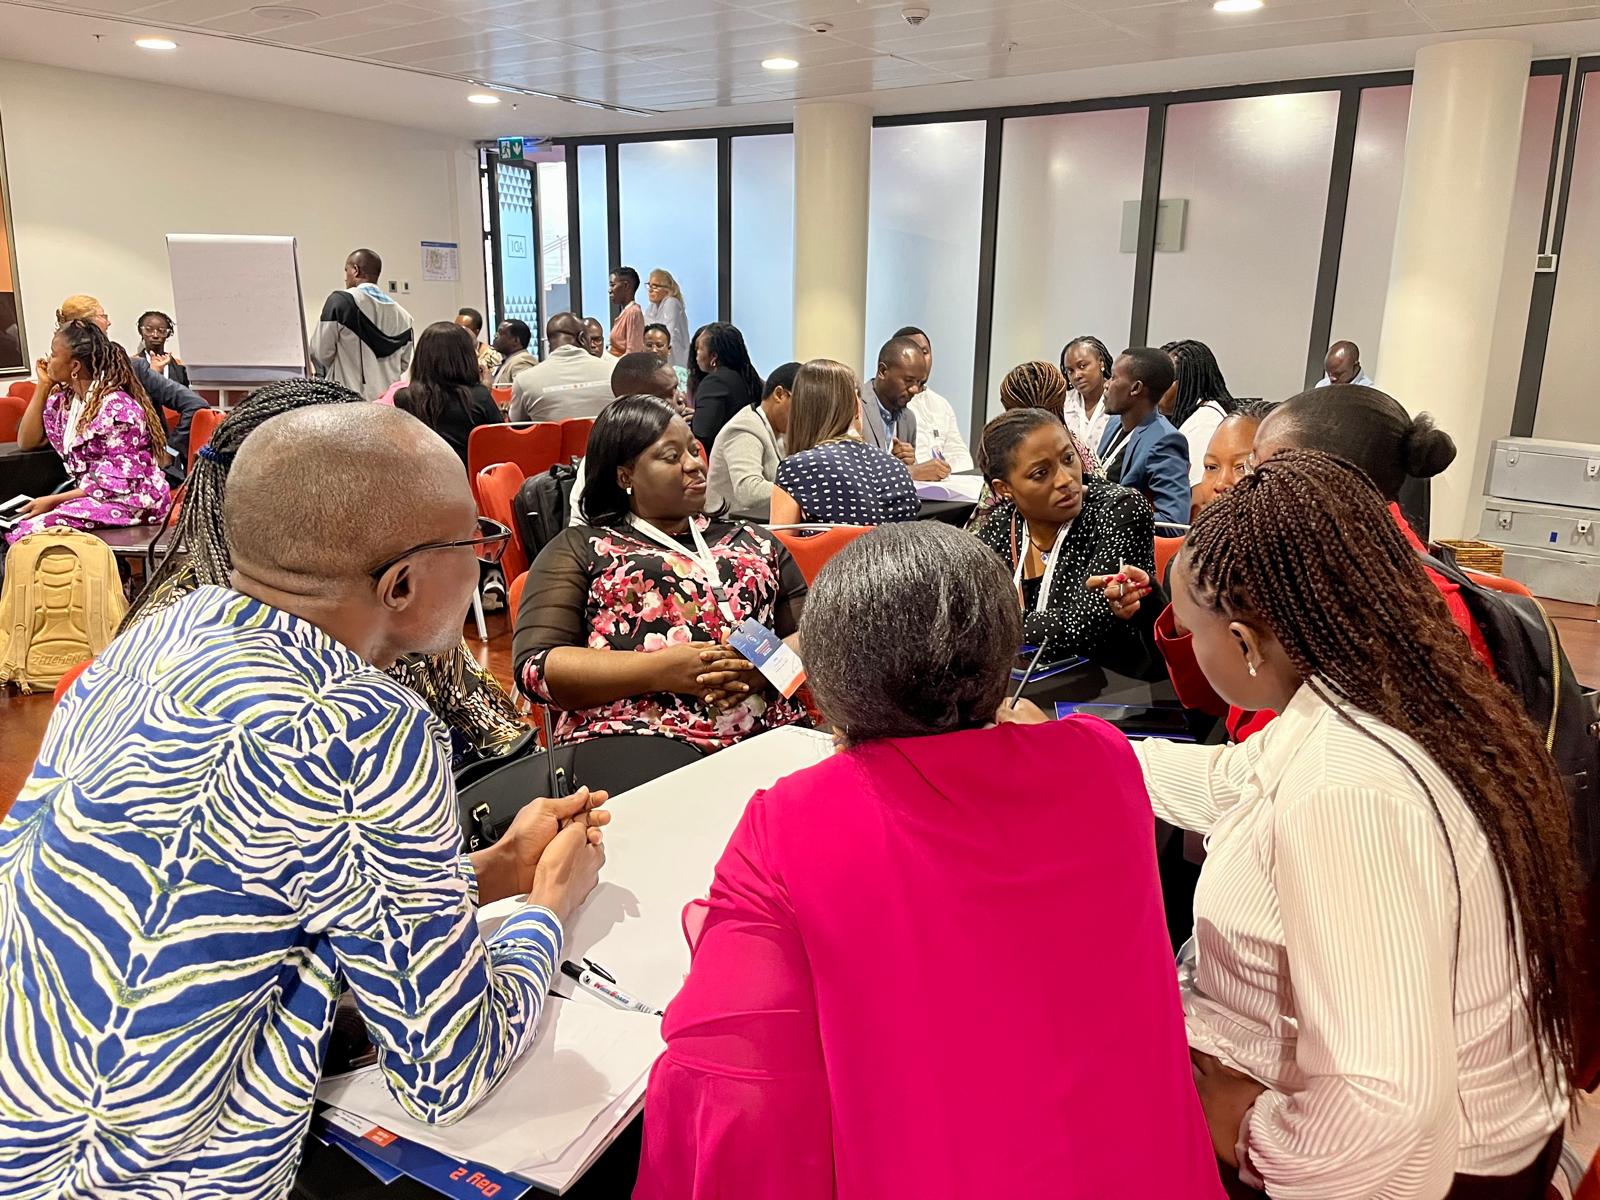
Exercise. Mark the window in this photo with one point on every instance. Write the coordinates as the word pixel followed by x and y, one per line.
pixel 594 218
pixel 669 218
pixel 763 246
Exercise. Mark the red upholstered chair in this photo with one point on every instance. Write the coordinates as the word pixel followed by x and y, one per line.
pixel 575 437
pixel 1499 583
pixel 69 677
pixel 498 485
pixel 11 410
pixel 1166 550
pixel 22 387
pixel 502 397
pixel 534 449
pixel 812 550
pixel 201 428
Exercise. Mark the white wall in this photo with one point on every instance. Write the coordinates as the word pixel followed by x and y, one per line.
pixel 101 169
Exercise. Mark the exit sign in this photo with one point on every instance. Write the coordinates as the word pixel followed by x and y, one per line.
pixel 511 149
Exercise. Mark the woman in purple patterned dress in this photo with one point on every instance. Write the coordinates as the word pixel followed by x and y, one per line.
pixel 625 620
pixel 93 412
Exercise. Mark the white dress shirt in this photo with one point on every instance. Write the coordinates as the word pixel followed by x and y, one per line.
pixel 1089 424
pixel 1325 926
pixel 1197 431
pixel 936 425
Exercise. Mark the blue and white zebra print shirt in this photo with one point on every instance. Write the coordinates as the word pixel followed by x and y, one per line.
pixel 231 812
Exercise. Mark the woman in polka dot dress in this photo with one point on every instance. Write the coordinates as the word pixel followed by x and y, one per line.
pixel 830 475
pixel 92 411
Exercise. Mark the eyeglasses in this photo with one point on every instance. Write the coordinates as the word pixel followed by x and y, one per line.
pixel 489 545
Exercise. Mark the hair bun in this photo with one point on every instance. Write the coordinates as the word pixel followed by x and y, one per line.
pixel 1428 450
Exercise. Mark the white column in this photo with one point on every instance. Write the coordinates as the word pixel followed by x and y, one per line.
pixel 1462 142
pixel 832 168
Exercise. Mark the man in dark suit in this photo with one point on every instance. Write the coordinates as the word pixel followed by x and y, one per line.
pixel 1141 449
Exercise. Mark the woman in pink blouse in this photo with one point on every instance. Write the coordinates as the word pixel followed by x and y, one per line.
pixel 92 410
pixel 920 973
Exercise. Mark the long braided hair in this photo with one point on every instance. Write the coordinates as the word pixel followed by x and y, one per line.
pixel 1095 344
pixel 198 553
pixel 1042 385
pixel 1305 544
pixel 1199 380
pixel 110 371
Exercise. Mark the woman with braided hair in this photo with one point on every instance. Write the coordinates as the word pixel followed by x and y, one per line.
pixel 1380 988
pixel 1033 385
pixel 483 720
pixel 1198 399
pixel 1086 365
pixel 96 416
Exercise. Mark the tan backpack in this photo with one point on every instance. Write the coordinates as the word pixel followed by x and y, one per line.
pixel 61 605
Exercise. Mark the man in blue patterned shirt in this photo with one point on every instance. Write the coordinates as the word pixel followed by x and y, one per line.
pixel 234 812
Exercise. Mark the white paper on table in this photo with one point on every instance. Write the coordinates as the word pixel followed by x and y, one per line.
pixel 584 1059
pixel 952 487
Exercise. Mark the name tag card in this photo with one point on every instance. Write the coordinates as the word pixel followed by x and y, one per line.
pixel 767 652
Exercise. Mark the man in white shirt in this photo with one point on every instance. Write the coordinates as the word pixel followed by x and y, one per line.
pixel 938 433
pixel 570 382
pixel 1343 365
pixel 363 338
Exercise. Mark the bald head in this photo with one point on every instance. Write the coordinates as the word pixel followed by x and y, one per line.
pixel 320 496
pixel 563 329
pixel 643 374
pixel 1343 362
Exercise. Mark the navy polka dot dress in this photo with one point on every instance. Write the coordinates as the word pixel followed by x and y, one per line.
pixel 850 483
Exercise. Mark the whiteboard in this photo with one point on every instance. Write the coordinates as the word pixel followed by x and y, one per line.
pixel 236 297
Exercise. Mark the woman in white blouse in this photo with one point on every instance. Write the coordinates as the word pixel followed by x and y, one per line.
pixel 1198 400
pixel 665 307
pixel 1365 1018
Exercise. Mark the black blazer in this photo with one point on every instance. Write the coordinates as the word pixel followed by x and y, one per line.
pixel 1115 526
pixel 720 394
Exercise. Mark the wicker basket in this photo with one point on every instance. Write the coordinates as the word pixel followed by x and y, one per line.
pixel 1477 556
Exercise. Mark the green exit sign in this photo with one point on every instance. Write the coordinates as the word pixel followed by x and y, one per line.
pixel 511 149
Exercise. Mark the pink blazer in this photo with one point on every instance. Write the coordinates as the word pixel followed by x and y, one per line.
pixel 934 967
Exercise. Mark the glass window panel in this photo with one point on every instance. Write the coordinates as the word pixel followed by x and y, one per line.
pixel 554 241
pixel 669 219
pixel 1370 214
pixel 594 215
pixel 1255 174
pixel 1059 269
pixel 763 246
pixel 922 247
pixel 1566 392
pixel 517 247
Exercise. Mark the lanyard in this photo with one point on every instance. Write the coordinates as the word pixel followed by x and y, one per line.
pixel 701 557
pixel 1116 451
pixel 1050 561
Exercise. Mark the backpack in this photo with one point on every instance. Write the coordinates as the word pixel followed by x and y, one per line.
pixel 61 604
pixel 1528 659
pixel 542 507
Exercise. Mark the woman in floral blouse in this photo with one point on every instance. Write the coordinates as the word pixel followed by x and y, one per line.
pixel 622 624
pixel 92 410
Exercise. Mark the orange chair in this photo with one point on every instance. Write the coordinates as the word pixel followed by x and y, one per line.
pixel 72 674
pixel 11 410
pixel 24 388
pixel 575 437
pixel 1166 550
pixel 514 595
pixel 812 550
pixel 534 448
pixel 201 428
pixel 502 396
pixel 170 418
pixel 498 485
pixel 1499 583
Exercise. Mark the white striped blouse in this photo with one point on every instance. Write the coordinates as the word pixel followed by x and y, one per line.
pixel 1325 923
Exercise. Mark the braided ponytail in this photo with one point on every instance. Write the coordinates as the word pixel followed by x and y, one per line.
pixel 198 553
pixel 1305 544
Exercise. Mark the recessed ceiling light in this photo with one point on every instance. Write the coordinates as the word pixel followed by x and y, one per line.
pixel 1236 6
pixel 155 43
pixel 779 64
pixel 482 98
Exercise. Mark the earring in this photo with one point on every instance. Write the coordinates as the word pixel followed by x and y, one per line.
pixel 1252 670
pixel 629 489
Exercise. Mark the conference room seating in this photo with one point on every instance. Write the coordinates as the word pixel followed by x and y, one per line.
pixel 11 410
pixel 201 428
pixel 575 437
pixel 1499 583
pixel 502 396
pixel 533 448
pixel 23 388
pixel 1166 550
pixel 813 545
pixel 498 485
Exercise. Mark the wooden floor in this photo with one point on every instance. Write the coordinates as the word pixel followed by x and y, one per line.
pixel 23 718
